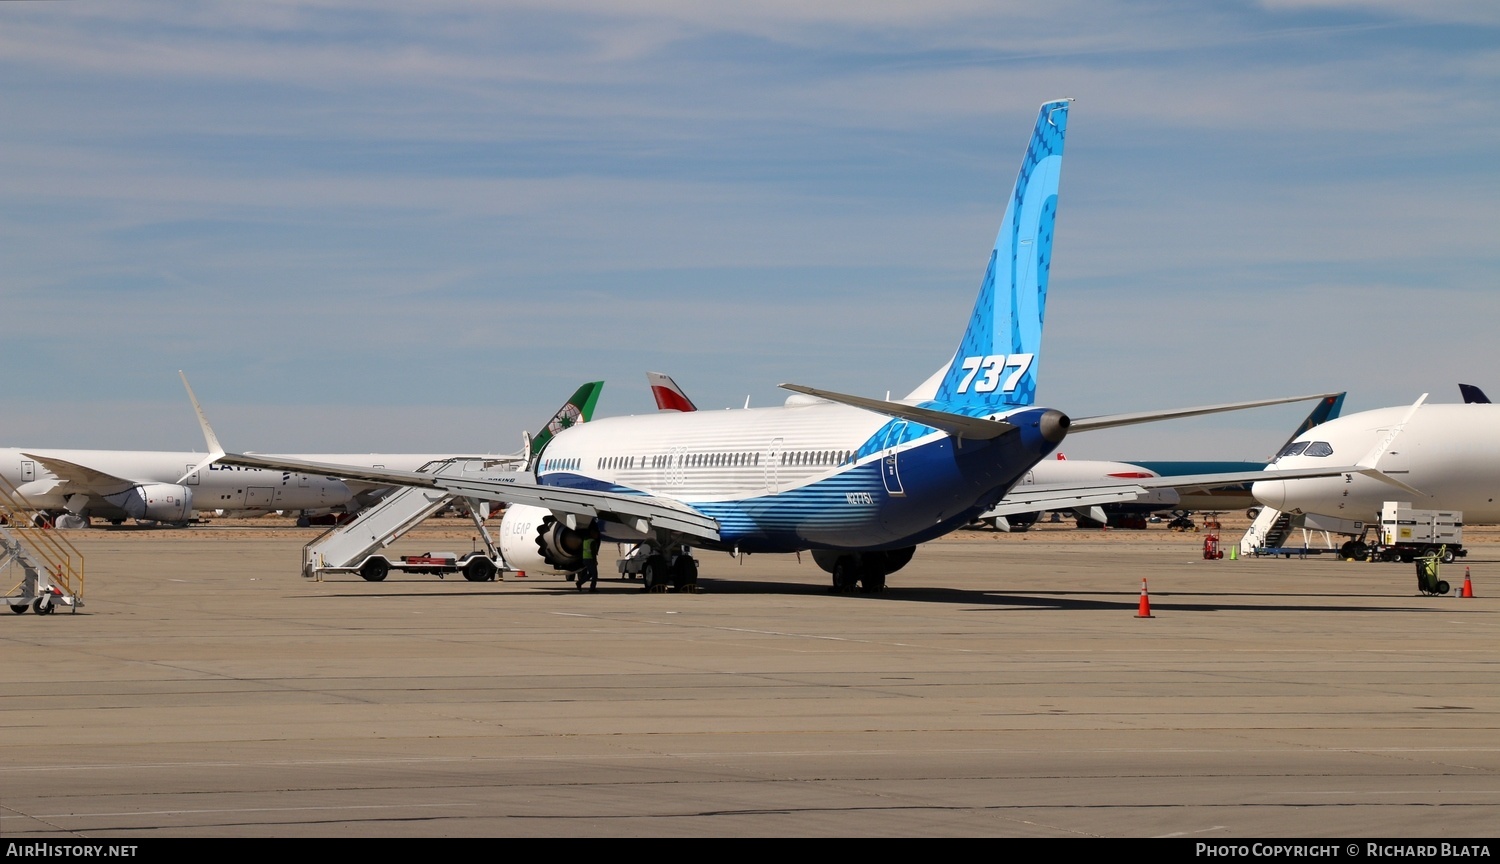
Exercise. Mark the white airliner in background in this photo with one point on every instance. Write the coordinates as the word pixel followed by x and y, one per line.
pixel 1178 486
pixel 68 487
pixel 859 482
pixel 1445 457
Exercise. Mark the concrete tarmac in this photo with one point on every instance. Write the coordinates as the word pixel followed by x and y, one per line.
pixel 1002 686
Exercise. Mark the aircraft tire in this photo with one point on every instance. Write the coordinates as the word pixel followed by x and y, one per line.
pixel 654 574
pixel 480 570
pixel 375 570
pixel 872 583
pixel 845 574
pixel 684 572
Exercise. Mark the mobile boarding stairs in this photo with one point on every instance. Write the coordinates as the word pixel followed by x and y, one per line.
pixel 50 568
pixel 354 546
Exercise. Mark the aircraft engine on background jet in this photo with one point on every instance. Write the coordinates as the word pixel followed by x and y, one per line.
pixel 532 539
pixel 155 502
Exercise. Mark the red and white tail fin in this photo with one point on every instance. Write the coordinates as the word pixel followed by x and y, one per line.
pixel 669 397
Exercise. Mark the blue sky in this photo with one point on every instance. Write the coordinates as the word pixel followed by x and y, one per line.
pixel 396 226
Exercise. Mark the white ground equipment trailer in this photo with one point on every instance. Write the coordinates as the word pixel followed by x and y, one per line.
pixel 354 547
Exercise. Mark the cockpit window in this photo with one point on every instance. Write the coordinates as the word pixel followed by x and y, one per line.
pixel 1318 448
pixel 1292 449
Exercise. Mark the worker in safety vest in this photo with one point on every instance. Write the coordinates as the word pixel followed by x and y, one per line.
pixel 590 571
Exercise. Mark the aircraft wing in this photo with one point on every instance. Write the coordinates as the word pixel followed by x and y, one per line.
pixel 983 429
pixel 1033 498
pixel 642 513
pixel 1109 421
pixel 1063 496
pixel 71 473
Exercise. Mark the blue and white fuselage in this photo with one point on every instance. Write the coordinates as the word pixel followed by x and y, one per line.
pixel 849 473
pixel 815 475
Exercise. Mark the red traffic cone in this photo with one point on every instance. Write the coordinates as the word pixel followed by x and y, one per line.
pixel 1145 610
pixel 1468 585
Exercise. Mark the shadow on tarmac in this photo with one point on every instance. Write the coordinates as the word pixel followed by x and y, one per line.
pixel 992 600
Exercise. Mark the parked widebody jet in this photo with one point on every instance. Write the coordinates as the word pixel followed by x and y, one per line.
pixel 1166 490
pixel 68 487
pixel 859 482
pixel 1444 456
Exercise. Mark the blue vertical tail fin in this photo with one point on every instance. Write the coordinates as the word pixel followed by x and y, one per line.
pixel 996 363
pixel 1327 409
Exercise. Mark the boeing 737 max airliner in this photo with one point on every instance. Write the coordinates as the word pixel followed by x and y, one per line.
pixel 859 482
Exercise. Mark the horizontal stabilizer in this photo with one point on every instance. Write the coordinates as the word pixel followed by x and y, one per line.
pixel 957 425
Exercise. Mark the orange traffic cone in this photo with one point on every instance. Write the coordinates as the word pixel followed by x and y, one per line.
pixel 1468 585
pixel 1145 610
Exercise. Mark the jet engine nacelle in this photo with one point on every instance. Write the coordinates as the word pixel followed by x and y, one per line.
pixel 532 539
pixel 155 502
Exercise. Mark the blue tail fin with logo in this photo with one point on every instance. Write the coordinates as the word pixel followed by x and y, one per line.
pixel 996 363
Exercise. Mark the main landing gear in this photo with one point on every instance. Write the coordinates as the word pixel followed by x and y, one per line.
pixel 864 572
pixel 661 570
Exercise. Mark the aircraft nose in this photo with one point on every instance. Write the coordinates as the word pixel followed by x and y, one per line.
pixel 1271 493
